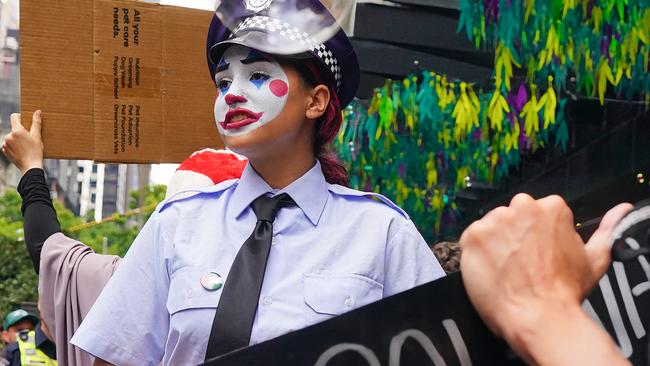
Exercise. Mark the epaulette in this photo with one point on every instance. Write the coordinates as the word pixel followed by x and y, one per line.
pixel 193 192
pixel 345 191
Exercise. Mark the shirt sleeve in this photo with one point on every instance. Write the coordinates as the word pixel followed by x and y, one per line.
pixel 409 261
pixel 129 322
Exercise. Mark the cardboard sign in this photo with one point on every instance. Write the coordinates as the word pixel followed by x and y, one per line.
pixel 435 324
pixel 118 81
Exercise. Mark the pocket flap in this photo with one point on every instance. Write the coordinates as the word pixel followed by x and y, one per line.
pixel 186 291
pixel 337 294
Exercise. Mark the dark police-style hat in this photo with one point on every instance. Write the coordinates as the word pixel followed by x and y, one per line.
pixel 336 56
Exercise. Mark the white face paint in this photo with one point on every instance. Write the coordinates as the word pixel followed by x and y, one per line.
pixel 251 91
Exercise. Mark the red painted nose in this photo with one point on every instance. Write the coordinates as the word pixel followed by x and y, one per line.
pixel 232 99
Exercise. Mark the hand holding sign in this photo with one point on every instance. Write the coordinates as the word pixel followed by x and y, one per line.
pixel 527 280
pixel 24 148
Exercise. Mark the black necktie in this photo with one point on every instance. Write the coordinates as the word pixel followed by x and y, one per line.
pixel 233 322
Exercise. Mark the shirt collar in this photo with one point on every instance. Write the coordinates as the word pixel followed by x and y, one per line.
pixel 310 191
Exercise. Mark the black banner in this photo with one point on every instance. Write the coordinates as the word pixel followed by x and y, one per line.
pixel 435 324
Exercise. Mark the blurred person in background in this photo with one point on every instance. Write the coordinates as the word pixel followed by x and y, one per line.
pixel 27 340
pixel 15 322
pixel 448 254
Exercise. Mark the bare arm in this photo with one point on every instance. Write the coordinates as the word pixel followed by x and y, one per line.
pixel 563 335
pixel 25 149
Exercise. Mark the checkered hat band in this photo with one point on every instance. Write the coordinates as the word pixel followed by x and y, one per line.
pixel 293 34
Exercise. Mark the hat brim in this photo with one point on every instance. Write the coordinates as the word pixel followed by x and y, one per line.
pixel 34 319
pixel 217 51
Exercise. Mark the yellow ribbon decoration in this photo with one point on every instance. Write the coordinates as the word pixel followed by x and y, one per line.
pixel 597 16
pixel 530 113
pixel 460 177
pixel 530 4
pixel 644 31
pixel 432 173
pixel 552 48
pixel 503 66
pixel 465 112
pixel 496 110
pixel 604 75
pixel 549 102
pixel 514 136
pixel 568 5
pixel 445 93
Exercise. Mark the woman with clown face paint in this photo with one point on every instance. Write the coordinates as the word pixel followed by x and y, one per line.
pixel 246 78
pixel 285 246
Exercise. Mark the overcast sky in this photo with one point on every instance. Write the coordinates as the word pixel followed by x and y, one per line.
pixel 198 4
pixel 12 11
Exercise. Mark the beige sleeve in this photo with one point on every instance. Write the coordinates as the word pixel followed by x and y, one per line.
pixel 71 278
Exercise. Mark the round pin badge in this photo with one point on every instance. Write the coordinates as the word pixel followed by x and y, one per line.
pixel 211 281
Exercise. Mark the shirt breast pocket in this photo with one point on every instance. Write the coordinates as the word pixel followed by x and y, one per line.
pixel 327 296
pixel 186 291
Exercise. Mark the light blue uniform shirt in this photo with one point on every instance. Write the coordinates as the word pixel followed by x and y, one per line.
pixel 336 250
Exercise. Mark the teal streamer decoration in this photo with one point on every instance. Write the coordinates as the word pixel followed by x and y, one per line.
pixel 423 139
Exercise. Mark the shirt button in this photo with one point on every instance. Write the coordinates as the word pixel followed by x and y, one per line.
pixel 274 241
pixel 349 301
pixel 268 301
pixel 188 293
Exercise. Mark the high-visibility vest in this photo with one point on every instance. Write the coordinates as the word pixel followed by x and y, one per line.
pixel 29 354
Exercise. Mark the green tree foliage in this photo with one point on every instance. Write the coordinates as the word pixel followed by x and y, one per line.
pixel 119 230
pixel 18 281
pixel 154 195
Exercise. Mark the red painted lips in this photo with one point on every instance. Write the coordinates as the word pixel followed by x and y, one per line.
pixel 238 118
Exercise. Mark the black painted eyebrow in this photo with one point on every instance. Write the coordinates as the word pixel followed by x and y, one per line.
pixel 255 56
pixel 223 65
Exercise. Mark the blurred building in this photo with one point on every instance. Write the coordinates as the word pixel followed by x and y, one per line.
pixel 94 190
pixel 9 82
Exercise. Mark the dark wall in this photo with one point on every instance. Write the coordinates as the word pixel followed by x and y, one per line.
pixel 393 41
